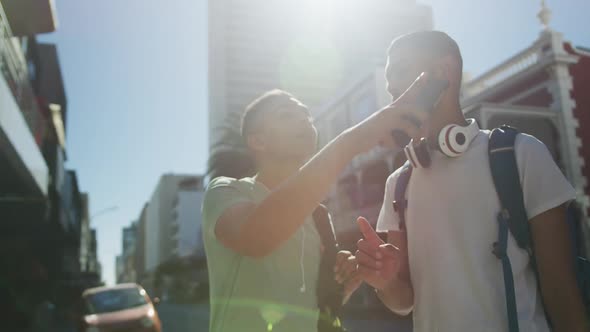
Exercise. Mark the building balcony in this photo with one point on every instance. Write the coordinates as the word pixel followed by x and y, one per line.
pixel 30 17
pixel 546 50
pixel 23 170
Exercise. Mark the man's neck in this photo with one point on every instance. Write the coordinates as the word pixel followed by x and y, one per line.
pixel 272 174
pixel 451 114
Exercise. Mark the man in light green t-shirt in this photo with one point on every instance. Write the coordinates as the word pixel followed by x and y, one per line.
pixel 262 246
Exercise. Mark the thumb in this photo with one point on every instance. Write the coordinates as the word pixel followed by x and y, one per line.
pixel 368 232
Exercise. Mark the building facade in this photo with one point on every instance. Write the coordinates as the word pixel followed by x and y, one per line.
pixel 126 261
pixel 542 91
pixel 43 214
pixel 160 226
pixel 139 257
pixel 187 218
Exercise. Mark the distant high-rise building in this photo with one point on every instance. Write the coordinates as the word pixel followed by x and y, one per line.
pixel 187 218
pixel 119 267
pixel 310 48
pixel 127 258
pixel 129 239
pixel 140 244
pixel 160 243
pixel 93 263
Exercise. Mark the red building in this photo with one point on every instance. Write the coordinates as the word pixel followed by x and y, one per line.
pixel 544 91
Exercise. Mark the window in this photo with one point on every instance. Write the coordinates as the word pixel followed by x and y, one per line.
pixel 114 300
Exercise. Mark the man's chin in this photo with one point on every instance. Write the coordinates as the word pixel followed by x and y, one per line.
pixel 297 156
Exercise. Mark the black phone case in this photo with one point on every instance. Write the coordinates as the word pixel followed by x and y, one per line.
pixel 431 92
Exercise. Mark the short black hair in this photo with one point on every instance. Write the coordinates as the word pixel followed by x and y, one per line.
pixel 432 43
pixel 267 101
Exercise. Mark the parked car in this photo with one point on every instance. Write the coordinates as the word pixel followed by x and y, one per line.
pixel 120 308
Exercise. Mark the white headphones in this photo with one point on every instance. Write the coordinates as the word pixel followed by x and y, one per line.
pixel 453 141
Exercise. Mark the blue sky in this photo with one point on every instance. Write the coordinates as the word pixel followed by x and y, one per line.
pixel 136 80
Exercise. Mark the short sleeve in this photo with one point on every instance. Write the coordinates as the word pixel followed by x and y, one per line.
pixel 221 194
pixel 543 184
pixel 388 219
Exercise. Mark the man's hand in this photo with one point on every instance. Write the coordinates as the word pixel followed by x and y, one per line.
pixel 403 117
pixel 379 262
pixel 385 267
pixel 346 273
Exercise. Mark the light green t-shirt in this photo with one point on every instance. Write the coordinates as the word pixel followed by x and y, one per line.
pixel 259 294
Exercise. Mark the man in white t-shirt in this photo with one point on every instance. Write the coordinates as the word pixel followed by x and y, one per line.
pixel 442 267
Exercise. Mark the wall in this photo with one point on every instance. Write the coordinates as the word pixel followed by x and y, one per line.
pixel 189 223
pixel 152 230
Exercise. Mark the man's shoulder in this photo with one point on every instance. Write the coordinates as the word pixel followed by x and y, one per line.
pixel 221 194
pixel 523 143
pixel 226 189
pixel 523 140
pixel 392 179
pixel 526 142
pixel 227 182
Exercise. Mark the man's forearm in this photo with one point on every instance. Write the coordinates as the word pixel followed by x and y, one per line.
pixel 565 307
pixel 398 296
pixel 296 198
pixel 562 298
pixel 552 247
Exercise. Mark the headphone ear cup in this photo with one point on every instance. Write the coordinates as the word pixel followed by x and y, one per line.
pixel 459 140
pixel 422 153
pixel 446 141
pixel 418 154
pixel 410 155
pixel 454 140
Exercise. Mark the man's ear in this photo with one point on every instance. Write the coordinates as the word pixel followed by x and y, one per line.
pixel 256 142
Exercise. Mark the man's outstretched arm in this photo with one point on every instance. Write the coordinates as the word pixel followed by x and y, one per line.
pixel 256 230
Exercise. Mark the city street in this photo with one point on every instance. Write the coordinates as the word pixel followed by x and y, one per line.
pixel 181 318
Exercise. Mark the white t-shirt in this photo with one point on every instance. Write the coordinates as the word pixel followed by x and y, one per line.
pixel 451 226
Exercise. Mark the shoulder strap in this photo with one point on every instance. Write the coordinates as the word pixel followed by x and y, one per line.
pixel 323 223
pixel 512 214
pixel 504 170
pixel 400 203
pixel 329 293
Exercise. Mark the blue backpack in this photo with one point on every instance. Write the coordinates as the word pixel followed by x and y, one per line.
pixel 512 217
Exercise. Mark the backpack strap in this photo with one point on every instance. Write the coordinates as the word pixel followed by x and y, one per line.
pixel 504 170
pixel 323 223
pixel 329 293
pixel 400 203
pixel 512 215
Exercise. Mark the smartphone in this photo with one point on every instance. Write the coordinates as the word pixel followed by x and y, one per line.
pixel 429 95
